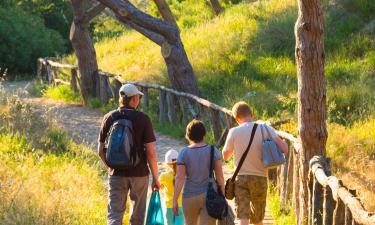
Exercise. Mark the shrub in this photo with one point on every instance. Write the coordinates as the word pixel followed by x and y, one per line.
pixel 24 38
pixel 63 93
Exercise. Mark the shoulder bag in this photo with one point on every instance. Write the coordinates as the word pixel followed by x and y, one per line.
pixel 217 206
pixel 229 184
pixel 271 154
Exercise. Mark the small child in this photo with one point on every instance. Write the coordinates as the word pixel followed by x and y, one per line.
pixel 167 180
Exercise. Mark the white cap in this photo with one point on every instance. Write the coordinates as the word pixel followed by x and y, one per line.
pixel 129 90
pixel 170 156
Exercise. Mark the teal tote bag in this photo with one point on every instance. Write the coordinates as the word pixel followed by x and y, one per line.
pixel 154 211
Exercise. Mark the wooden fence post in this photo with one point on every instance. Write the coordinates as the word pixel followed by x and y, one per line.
pixel 348 213
pixel 172 113
pixel 317 202
pixel 116 89
pixel 215 123
pixel 163 108
pixel 296 185
pixel 39 68
pixel 283 178
pixel 73 80
pixel 49 75
pixel 54 75
pixel 103 93
pixel 339 212
pixel 328 204
pixel 146 97
pixel 183 108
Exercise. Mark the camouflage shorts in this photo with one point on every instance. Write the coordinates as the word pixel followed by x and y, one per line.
pixel 250 197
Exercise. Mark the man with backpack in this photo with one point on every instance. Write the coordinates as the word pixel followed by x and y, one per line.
pixel 245 143
pixel 127 148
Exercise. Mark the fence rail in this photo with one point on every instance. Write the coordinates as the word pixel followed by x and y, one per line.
pixel 331 202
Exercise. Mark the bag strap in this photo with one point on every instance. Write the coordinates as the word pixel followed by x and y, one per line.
pixel 245 153
pixel 212 161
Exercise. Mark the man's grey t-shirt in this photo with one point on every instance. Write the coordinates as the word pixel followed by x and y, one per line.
pixel 197 164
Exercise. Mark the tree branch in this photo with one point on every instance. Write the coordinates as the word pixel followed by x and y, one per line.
pixel 93 12
pixel 157 38
pixel 124 9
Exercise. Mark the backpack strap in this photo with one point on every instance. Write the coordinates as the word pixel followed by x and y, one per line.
pixel 212 152
pixel 245 153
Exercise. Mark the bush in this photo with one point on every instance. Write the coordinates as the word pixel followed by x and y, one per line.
pixel 24 38
pixel 62 92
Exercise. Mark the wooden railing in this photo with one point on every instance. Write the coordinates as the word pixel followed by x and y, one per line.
pixel 332 203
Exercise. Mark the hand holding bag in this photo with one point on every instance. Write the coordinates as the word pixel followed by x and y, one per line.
pixel 217 206
pixel 271 154
pixel 154 211
pixel 229 184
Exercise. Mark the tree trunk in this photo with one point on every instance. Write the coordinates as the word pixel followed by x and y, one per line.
pixel 309 54
pixel 84 50
pixel 165 11
pixel 216 6
pixel 166 35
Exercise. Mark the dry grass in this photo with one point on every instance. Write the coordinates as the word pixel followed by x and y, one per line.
pixel 353 152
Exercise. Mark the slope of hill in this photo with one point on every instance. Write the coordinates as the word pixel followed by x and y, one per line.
pixel 247 53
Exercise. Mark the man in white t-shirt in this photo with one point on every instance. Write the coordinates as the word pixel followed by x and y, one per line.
pixel 251 182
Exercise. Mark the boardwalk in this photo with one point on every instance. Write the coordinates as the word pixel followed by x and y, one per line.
pixel 83 125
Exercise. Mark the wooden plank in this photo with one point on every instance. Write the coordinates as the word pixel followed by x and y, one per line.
pixel 61 65
pixel 163 107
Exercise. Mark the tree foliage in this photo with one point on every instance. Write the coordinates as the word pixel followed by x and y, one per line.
pixel 24 38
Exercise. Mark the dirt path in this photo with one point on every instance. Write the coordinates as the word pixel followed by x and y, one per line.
pixel 83 125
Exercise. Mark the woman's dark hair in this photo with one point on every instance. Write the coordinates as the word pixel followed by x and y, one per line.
pixel 195 131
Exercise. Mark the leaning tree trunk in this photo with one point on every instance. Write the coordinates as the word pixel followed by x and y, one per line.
pixel 84 48
pixel 166 35
pixel 312 130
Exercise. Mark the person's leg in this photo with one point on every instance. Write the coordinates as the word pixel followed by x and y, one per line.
pixel 117 192
pixel 179 220
pixel 138 195
pixel 191 209
pixel 258 198
pixel 242 199
pixel 204 218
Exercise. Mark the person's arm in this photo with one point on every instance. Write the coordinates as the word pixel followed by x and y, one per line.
pixel 281 144
pixel 153 164
pixel 102 153
pixel 218 167
pixel 229 146
pixel 179 183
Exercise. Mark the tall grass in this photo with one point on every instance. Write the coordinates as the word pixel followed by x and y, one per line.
pixel 45 178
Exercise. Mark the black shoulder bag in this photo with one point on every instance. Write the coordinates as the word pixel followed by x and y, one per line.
pixel 229 185
pixel 216 204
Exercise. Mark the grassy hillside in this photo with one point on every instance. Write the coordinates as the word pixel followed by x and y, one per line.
pixel 247 53
pixel 45 178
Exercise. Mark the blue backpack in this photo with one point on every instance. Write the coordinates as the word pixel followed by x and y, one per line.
pixel 121 150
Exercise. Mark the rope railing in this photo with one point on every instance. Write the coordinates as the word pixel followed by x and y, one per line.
pixel 179 107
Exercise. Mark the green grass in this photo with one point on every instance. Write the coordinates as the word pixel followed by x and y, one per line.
pixel 45 177
pixel 280 217
pixel 62 93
